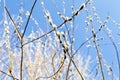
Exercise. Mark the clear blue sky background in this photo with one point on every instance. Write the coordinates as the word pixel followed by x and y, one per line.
pixel 103 8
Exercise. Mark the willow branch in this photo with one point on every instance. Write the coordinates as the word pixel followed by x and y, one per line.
pixel 65 21
pixel 55 72
pixel 117 52
pixel 8 74
pixel 18 33
pixel 28 19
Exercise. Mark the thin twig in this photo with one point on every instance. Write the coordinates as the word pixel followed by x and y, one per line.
pixel 8 74
pixel 28 19
pixel 18 33
pixel 56 71
pixel 98 52
pixel 68 69
pixel 99 58
pixel 53 63
pixel 44 34
pixel 21 62
pixel 117 52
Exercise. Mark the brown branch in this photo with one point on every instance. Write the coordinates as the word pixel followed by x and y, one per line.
pixel 44 34
pixel 100 61
pixel 98 52
pixel 117 52
pixel 75 66
pixel 53 62
pixel 8 75
pixel 28 19
pixel 78 70
pixel 68 70
pixel 21 62
pixel 66 50
pixel 56 71
pixel 17 31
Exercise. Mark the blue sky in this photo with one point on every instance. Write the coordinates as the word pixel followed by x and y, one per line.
pixel 103 8
pixel 108 7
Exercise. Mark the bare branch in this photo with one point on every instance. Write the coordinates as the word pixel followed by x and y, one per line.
pixel 97 49
pixel 56 71
pixel 116 49
pixel 18 33
pixel 28 18
pixel 8 75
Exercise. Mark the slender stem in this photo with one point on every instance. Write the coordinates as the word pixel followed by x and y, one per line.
pixel 98 52
pixel 18 33
pixel 55 72
pixel 21 62
pixel 117 52
pixel 28 19
pixel 68 69
pixel 9 75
